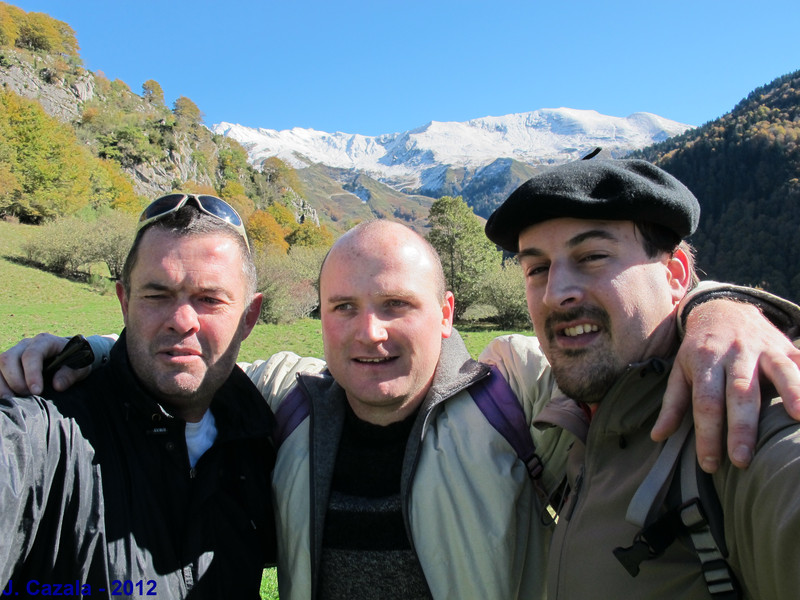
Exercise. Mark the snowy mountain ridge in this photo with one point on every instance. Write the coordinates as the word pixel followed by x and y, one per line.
pixel 415 159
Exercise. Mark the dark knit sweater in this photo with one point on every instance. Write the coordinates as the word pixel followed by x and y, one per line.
pixel 366 551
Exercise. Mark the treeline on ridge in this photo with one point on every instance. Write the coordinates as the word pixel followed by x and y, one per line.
pixel 745 170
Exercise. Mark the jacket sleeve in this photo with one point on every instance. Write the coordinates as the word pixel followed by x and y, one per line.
pixel 785 315
pixel 277 376
pixel 51 521
pixel 101 348
pixel 520 360
pixel 761 508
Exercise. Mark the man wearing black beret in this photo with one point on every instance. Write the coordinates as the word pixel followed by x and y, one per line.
pixel 601 247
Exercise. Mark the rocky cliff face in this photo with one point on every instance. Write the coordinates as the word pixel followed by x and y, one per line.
pixel 63 96
pixel 39 81
pixel 64 92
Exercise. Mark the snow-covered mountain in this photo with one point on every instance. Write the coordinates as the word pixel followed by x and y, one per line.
pixel 402 159
pixel 452 158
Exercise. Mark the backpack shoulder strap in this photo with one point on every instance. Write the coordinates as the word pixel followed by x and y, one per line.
pixel 292 411
pixel 499 404
pixel 697 514
pixel 701 514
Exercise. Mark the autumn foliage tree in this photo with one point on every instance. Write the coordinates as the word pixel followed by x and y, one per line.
pixel 47 172
pixel 187 112
pixel 265 232
pixel 281 175
pixel 152 92
pixel 310 235
pixel 283 216
pixel 37 31
pixel 10 18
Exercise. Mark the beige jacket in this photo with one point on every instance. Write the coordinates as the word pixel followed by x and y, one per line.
pixel 472 513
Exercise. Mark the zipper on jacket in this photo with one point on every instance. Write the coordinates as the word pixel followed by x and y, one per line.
pixel 312 491
pixel 557 582
pixel 188 576
pixel 575 493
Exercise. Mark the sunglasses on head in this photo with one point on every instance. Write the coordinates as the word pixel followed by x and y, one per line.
pixel 211 205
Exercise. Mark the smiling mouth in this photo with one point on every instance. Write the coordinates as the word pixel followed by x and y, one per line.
pixel 580 330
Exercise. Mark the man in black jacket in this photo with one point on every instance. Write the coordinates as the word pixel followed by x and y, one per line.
pixel 150 477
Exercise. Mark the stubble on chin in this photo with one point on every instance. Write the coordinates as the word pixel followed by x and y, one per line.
pixel 583 374
pixel 585 380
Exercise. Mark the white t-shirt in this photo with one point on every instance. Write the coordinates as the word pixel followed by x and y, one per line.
pixel 200 437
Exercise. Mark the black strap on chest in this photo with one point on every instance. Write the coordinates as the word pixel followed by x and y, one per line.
pixel 678 499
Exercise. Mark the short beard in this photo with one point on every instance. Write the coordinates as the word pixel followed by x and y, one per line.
pixel 590 379
pixel 591 384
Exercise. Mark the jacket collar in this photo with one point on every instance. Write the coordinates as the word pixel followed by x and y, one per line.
pixel 626 407
pixel 455 371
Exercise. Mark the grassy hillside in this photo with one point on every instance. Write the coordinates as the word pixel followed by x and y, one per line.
pixel 362 198
pixel 32 301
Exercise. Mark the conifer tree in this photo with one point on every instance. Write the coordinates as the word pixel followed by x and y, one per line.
pixel 466 253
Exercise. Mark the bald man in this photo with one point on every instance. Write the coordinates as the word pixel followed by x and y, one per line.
pixel 411 491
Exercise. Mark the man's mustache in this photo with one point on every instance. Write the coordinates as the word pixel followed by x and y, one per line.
pixel 590 313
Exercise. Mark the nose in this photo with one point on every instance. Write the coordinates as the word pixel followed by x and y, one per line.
pixel 563 288
pixel 371 328
pixel 184 319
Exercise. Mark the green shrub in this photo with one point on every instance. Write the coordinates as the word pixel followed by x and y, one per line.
pixel 102 285
pixel 61 246
pixel 504 289
pixel 288 283
pixel 112 238
pixel 68 246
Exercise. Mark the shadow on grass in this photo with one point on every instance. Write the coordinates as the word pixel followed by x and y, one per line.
pixel 75 276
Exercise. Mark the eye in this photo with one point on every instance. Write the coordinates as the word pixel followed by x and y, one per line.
pixel 534 270
pixel 593 257
pixel 343 307
pixel 395 303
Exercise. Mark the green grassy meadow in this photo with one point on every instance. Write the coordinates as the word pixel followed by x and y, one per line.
pixel 32 301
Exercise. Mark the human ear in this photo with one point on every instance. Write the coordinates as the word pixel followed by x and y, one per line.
pixel 679 274
pixel 448 307
pixel 123 301
pixel 251 314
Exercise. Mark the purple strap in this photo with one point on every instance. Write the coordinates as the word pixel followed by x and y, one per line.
pixel 294 408
pixel 502 409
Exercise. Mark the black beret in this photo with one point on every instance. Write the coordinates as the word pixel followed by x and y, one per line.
pixel 617 190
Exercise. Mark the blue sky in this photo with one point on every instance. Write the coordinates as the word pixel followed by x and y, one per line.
pixel 374 66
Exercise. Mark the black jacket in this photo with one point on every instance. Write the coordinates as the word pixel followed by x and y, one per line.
pixel 109 453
